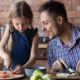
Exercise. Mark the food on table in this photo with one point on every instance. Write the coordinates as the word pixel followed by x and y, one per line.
pixel 13 72
pixel 38 75
pixel 66 74
pixel 62 74
pixel 71 73
pixel 74 74
pixel 9 75
pixel 48 77
pixel 4 72
pixel 38 72
pixel 5 75
pixel 71 70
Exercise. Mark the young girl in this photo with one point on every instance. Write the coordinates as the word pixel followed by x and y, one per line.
pixel 22 39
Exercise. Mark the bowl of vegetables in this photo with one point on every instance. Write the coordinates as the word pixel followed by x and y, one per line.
pixel 29 71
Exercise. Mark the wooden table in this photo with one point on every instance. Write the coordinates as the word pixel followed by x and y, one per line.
pixel 56 78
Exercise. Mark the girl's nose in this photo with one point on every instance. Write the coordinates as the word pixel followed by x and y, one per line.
pixel 21 27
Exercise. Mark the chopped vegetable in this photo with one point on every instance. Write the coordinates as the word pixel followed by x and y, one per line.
pixel 38 72
pixel 4 73
pixel 13 72
pixel 48 77
pixel 37 75
pixel 62 74
pixel 71 70
pixel 5 76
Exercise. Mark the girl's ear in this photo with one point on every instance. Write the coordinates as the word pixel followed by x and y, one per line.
pixel 60 20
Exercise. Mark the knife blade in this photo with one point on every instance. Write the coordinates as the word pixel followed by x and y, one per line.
pixel 9 69
pixel 70 70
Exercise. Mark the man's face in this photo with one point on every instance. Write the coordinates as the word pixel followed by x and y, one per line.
pixel 48 25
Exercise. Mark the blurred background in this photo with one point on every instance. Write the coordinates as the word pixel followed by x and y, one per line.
pixel 72 7
pixel 73 13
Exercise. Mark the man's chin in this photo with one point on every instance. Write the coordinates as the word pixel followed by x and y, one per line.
pixel 51 37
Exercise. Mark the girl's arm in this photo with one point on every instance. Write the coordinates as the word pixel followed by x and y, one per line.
pixel 34 51
pixel 3 42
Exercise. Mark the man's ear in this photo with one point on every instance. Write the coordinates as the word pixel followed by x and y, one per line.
pixel 60 20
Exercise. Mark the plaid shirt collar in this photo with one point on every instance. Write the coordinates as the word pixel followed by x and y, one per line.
pixel 76 35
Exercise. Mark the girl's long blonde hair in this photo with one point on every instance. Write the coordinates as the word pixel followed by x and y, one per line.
pixel 18 9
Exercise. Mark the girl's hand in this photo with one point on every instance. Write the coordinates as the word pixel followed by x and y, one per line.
pixel 8 61
pixel 58 65
pixel 19 69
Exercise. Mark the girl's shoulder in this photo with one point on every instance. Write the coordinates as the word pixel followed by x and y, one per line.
pixel 32 32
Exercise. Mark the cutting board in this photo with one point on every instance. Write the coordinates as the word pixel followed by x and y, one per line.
pixel 63 78
pixel 11 76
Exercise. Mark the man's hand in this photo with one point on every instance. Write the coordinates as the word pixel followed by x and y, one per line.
pixel 58 65
pixel 78 67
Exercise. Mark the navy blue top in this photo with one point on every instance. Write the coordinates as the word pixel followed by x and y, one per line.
pixel 21 47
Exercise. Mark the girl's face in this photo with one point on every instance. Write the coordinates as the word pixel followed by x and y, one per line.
pixel 21 23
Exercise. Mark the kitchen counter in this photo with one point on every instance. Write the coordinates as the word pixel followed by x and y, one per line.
pixel 1 65
pixel 38 63
pixel 42 51
pixel 43 63
pixel 42 45
pixel 55 78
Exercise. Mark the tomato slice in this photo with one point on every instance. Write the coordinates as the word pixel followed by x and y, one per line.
pixel 4 72
pixel 5 76
pixel 13 72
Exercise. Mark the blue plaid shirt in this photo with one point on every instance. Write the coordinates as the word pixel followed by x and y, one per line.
pixel 71 55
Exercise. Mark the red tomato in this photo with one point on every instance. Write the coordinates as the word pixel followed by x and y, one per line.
pixel 4 72
pixel 13 72
pixel 5 76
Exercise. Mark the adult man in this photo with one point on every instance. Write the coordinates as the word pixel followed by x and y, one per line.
pixel 64 48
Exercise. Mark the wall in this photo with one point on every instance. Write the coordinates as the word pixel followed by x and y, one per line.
pixel 72 6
